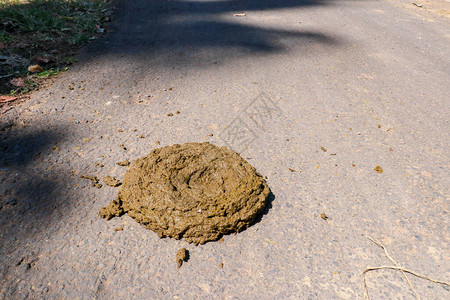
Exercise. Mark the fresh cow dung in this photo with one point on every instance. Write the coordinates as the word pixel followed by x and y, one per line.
pixel 194 191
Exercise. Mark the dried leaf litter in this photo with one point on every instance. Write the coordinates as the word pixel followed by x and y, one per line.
pixel 195 191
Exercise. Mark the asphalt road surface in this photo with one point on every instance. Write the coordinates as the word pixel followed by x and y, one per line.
pixel 314 94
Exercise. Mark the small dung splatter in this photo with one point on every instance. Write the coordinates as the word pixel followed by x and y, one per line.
pixel 124 163
pixel 182 255
pixel 119 228
pixel 324 216
pixel 111 181
pixel 94 180
pixel 378 169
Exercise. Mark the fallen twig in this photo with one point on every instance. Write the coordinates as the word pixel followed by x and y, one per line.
pixel 6 76
pixel 4 99
pixel 395 263
pixel 396 267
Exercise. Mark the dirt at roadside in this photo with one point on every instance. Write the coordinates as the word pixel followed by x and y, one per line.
pixel 430 11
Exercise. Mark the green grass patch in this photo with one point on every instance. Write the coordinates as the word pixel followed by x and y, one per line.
pixel 51 19
pixel 47 33
pixel 51 72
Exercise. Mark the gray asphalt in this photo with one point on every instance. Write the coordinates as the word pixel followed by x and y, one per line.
pixel 367 81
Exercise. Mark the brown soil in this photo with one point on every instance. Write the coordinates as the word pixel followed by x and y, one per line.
pixel 428 10
pixel 195 191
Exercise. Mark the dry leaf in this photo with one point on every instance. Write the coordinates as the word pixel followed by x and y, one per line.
pixel 35 69
pixel 18 82
pixel 4 99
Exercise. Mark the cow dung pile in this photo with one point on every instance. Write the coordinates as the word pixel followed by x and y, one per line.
pixel 195 191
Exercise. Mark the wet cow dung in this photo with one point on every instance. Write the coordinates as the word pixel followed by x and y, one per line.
pixel 195 191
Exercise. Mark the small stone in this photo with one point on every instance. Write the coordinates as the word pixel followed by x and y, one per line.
pixel 170 114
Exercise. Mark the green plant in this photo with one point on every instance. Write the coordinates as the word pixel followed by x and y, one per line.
pixel 73 19
pixel 51 72
pixel 6 38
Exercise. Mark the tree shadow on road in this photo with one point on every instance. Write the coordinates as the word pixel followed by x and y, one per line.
pixel 148 28
pixel 32 187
